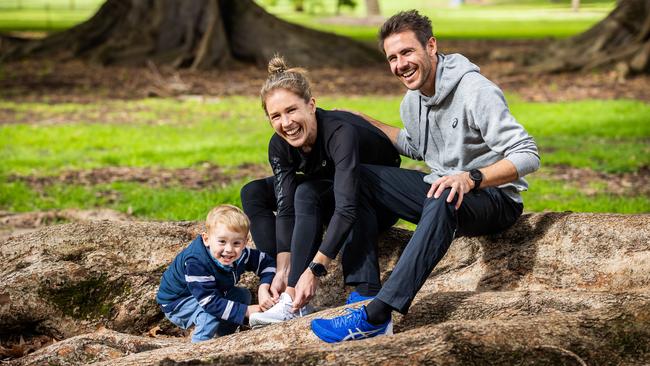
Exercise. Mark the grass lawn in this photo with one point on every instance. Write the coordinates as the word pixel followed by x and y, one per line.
pixel 44 15
pixel 608 136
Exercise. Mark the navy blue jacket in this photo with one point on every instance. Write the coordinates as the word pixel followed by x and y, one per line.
pixel 194 273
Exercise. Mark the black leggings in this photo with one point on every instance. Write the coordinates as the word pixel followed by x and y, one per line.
pixel 313 206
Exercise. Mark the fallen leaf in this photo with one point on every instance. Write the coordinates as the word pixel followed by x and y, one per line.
pixel 153 332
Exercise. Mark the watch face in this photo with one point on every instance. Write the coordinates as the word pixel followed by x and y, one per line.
pixel 475 174
pixel 318 269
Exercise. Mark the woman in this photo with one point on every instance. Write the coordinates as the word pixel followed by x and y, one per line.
pixel 315 155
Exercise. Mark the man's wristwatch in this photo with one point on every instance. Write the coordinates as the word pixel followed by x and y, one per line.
pixel 318 269
pixel 477 177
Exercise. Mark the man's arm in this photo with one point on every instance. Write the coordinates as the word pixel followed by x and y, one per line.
pixel 390 131
pixel 503 134
pixel 501 172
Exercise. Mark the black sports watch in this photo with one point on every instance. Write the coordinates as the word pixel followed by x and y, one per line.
pixel 477 177
pixel 318 269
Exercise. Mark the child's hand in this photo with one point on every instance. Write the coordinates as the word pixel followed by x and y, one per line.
pixel 265 297
pixel 252 309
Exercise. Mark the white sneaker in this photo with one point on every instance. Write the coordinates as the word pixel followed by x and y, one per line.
pixel 278 313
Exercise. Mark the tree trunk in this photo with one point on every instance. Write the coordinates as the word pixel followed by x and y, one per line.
pixel 199 34
pixel 556 288
pixel 372 8
pixel 575 5
pixel 621 40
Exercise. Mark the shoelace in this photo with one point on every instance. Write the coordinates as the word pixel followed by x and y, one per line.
pixel 352 317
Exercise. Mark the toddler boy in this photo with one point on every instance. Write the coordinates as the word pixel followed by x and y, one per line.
pixel 198 288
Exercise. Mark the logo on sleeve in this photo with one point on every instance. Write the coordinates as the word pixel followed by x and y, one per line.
pixel 454 123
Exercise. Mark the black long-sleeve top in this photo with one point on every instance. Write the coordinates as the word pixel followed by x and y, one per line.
pixel 343 141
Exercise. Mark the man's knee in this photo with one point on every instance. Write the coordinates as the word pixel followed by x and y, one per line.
pixel 440 204
pixel 369 174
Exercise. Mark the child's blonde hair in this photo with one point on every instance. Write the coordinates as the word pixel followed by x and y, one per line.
pixel 230 216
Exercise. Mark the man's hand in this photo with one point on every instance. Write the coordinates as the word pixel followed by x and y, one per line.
pixel 305 289
pixel 265 297
pixel 459 183
pixel 278 285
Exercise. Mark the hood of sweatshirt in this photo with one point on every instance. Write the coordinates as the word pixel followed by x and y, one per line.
pixel 449 71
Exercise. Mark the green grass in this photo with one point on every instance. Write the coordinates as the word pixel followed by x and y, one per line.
pixel 184 134
pixel 44 15
pixel 478 23
pixel 609 136
pixel 173 203
pixel 501 20
pixel 548 195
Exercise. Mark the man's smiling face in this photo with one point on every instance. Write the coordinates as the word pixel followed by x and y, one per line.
pixel 412 63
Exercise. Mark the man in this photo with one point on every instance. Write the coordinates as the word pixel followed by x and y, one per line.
pixel 458 122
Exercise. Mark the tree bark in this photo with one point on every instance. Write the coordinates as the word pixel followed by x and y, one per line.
pixel 199 34
pixel 575 5
pixel 372 8
pixel 621 40
pixel 555 288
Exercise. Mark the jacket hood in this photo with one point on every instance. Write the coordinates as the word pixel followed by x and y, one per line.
pixel 449 71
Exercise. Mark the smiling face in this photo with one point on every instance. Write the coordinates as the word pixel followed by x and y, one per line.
pixel 412 63
pixel 292 118
pixel 224 244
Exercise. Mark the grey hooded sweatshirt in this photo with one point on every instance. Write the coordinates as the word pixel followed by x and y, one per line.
pixel 465 125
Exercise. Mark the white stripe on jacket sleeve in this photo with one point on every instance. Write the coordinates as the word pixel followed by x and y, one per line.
pixel 226 313
pixel 199 278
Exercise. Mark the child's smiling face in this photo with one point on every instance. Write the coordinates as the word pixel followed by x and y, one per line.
pixel 225 245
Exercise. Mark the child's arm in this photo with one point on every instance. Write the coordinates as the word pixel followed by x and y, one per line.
pixel 203 287
pixel 262 264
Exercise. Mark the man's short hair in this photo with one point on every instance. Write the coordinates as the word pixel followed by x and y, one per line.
pixel 406 21
pixel 230 216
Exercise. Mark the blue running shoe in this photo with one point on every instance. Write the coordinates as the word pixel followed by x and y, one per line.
pixel 351 326
pixel 355 297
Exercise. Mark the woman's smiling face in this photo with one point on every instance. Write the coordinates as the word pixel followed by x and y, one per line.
pixel 292 118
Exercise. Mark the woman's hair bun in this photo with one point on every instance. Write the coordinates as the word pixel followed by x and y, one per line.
pixel 277 65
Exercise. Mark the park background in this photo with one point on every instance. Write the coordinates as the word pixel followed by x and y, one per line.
pixel 154 142
pixel 81 140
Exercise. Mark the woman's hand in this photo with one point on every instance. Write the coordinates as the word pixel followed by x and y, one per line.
pixel 278 285
pixel 305 289
pixel 252 309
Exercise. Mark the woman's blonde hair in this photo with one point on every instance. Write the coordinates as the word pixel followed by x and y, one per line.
pixel 281 76
pixel 230 216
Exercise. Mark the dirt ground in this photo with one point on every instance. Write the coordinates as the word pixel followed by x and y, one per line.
pixel 77 81
pixel 208 175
